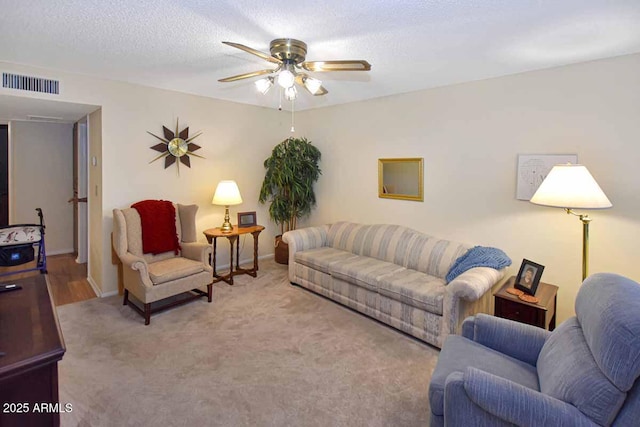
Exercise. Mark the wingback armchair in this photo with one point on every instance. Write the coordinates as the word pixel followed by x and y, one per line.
pixel 584 373
pixel 152 278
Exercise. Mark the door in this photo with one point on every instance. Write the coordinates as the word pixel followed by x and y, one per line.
pixel 79 198
pixel 4 175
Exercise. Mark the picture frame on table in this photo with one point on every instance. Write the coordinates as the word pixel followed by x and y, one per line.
pixel 528 277
pixel 247 219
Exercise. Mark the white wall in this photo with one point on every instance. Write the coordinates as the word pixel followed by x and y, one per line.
pixel 42 177
pixel 236 139
pixel 470 136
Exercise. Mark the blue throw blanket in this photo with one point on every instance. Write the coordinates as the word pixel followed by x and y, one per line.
pixel 478 256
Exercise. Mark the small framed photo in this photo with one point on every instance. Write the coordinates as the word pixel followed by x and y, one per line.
pixel 528 277
pixel 246 219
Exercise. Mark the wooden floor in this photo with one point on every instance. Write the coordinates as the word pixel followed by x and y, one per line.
pixel 68 279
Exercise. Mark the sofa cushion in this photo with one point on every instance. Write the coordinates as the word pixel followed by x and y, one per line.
pixel 432 255
pixel 397 244
pixel 362 271
pixel 172 269
pixel 458 353
pixel 414 288
pixel 321 258
pixel 569 373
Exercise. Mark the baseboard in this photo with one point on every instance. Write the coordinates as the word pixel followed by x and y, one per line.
pixel 109 294
pixel 95 287
pixel 60 252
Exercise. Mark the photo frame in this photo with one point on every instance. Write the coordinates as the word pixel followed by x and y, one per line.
pixel 528 277
pixel 247 219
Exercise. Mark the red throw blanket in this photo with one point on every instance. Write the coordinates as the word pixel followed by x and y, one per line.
pixel 158 218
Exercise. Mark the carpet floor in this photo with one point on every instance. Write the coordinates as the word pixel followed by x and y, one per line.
pixel 264 353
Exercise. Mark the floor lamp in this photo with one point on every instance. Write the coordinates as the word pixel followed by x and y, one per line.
pixel 572 187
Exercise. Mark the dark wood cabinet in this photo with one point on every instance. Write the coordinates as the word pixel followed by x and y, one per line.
pixel 32 343
pixel 541 314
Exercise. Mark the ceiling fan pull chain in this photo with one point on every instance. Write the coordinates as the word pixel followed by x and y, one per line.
pixel 293 109
pixel 280 99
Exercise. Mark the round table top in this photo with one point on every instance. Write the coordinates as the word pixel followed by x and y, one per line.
pixel 217 232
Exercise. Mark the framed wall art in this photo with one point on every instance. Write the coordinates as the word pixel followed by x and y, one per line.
pixel 533 169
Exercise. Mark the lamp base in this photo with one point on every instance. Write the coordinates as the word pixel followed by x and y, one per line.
pixel 226 226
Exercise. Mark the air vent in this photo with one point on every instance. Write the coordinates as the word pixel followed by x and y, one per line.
pixel 34 84
pixel 44 118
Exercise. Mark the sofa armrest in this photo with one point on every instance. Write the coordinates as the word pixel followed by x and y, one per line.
pixel 198 252
pixel 466 295
pixel 517 404
pixel 518 340
pixel 474 283
pixel 305 238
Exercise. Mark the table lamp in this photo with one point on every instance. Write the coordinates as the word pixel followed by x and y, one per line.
pixel 572 187
pixel 227 194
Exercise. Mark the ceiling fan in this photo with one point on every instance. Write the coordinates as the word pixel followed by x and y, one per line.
pixel 289 56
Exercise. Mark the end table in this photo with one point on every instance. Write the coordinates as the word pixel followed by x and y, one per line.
pixel 541 314
pixel 212 235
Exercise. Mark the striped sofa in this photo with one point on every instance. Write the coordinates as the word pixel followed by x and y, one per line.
pixel 391 273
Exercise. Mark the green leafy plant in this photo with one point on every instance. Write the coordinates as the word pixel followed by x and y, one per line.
pixel 292 169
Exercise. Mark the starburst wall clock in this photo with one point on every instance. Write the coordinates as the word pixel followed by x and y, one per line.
pixel 176 146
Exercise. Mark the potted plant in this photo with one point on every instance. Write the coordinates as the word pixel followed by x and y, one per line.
pixel 292 169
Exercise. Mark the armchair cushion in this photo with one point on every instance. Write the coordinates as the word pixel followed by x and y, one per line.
pixel 516 403
pixel 459 353
pixel 173 269
pixel 568 371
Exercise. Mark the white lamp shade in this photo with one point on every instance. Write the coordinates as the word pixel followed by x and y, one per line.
pixel 263 85
pixel 227 194
pixel 286 79
pixel 290 93
pixel 570 187
pixel 312 85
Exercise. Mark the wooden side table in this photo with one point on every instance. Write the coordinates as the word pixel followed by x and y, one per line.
pixel 212 235
pixel 541 314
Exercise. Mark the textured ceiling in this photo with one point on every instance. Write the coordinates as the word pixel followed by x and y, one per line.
pixel 412 44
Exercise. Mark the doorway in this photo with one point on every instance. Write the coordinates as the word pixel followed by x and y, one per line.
pixel 4 175
pixel 80 186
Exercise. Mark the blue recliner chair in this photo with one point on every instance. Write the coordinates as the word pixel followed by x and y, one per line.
pixel 585 373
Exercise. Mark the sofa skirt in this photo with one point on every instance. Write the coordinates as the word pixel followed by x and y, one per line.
pixel 414 321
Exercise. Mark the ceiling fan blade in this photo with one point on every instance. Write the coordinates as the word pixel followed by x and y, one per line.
pixel 254 52
pixel 246 75
pixel 356 65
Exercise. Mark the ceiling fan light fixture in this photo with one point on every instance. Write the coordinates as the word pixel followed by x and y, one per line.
pixel 263 85
pixel 290 93
pixel 312 85
pixel 286 79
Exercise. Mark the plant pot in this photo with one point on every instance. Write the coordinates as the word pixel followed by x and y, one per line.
pixel 281 251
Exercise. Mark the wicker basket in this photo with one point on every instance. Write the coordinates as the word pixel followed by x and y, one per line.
pixel 281 251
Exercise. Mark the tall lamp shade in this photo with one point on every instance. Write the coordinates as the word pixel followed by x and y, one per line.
pixel 227 194
pixel 573 187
